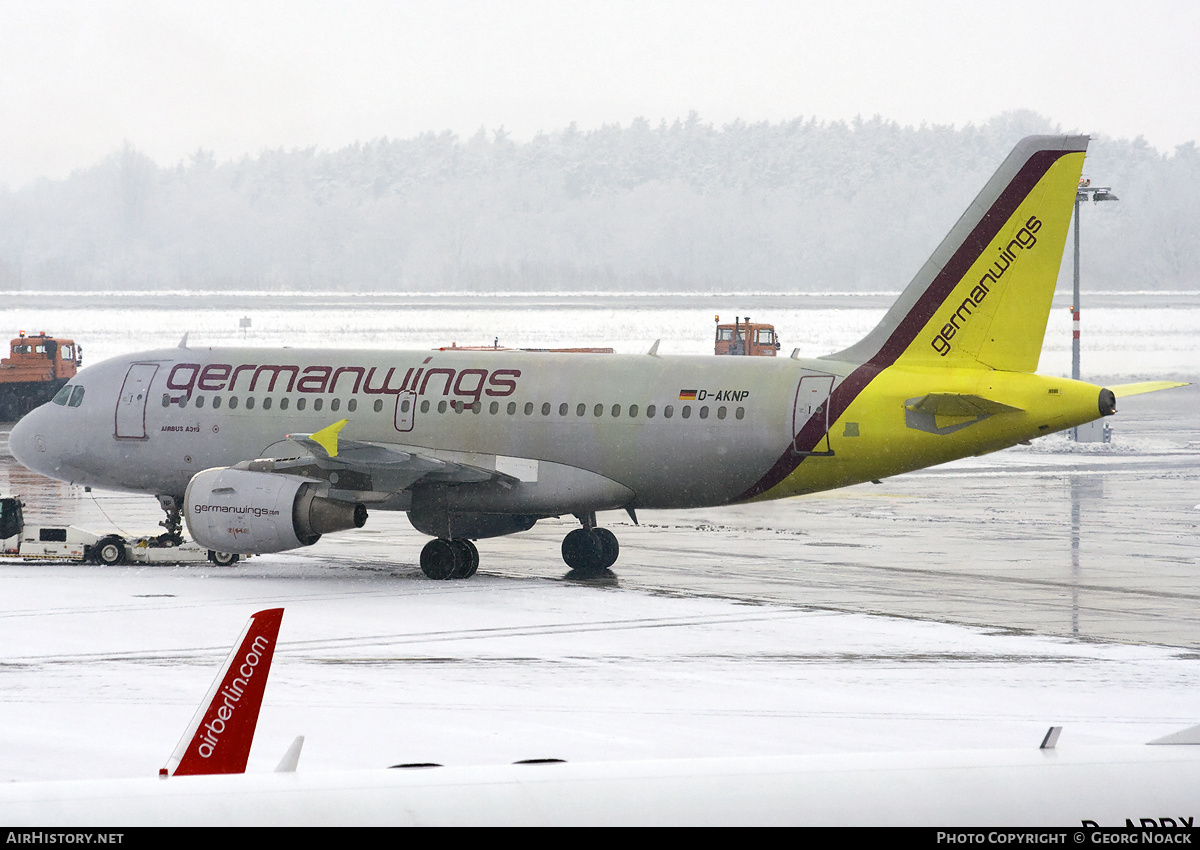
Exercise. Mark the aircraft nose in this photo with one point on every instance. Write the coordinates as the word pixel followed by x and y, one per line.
pixel 27 442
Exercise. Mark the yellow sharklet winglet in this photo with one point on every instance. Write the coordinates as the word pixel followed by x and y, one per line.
pixel 1123 390
pixel 326 438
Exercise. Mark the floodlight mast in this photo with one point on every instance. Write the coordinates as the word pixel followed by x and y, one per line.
pixel 1095 194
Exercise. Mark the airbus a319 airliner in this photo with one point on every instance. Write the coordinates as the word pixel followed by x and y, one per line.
pixel 265 450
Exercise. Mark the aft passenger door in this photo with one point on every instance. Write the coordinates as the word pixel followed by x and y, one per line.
pixel 131 404
pixel 812 405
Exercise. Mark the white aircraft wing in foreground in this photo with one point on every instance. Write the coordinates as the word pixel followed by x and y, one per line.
pixel 204 785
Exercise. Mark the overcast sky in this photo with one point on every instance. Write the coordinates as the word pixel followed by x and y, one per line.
pixel 79 79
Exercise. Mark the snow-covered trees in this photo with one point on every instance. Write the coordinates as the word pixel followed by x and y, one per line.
pixel 798 205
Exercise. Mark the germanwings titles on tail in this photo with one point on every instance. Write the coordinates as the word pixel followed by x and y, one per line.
pixel 264 450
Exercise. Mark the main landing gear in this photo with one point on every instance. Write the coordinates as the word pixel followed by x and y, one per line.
pixel 590 550
pixel 443 559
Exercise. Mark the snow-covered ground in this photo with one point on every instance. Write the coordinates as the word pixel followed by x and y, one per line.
pixel 102 668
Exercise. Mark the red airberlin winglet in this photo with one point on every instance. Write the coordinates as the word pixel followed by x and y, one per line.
pixel 219 736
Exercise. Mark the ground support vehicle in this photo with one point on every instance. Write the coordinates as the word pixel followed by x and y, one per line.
pixel 745 338
pixel 68 543
pixel 37 367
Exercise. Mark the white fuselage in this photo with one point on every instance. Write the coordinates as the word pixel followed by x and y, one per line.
pixel 670 431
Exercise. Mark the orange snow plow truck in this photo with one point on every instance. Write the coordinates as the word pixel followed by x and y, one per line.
pixel 37 367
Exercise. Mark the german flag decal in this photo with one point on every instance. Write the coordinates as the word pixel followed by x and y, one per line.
pixel 687 395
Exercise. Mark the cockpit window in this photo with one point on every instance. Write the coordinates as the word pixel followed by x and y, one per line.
pixel 62 395
pixel 76 397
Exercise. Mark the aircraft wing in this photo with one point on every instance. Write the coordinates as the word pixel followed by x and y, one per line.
pixel 373 472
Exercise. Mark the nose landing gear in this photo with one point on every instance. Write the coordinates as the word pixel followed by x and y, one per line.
pixel 174 521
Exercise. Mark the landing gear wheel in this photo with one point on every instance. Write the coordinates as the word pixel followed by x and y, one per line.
pixel 441 559
pixel 583 550
pixel 470 559
pixel 222 559
pixel 110 551
pixel 174 521
pixel 612 548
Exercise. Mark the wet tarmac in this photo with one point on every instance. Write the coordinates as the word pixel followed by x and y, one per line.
pixel 1093 542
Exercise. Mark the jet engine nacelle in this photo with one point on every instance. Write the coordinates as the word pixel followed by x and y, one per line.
pixel 255 513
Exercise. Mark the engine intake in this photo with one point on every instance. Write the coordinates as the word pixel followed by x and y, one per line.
pixel 256 513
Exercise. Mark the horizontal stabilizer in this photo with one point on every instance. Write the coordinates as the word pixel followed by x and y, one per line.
pixel 958 404
pixel 1123 390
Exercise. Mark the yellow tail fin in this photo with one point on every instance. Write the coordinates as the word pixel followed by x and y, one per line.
pixel 983 298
